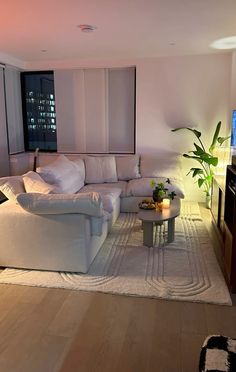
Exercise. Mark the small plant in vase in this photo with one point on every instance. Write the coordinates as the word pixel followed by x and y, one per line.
pixel 160 191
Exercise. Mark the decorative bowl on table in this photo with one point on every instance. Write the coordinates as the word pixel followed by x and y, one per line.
pixel 147 204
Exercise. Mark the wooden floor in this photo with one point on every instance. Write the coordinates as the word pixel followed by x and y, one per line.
pixel 48 330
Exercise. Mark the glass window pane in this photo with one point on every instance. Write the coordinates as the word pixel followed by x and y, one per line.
pixel 39 108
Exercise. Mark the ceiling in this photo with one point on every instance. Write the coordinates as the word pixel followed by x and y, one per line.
pixel 125 28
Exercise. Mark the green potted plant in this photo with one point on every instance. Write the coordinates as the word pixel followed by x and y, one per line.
pixel 160 191
pixel 206 159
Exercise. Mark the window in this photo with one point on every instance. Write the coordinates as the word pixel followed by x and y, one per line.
pixel 39 114
pixel 94 110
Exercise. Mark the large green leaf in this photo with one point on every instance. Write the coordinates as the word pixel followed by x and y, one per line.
pixel 192 157
pixel 196 132
pixel 215 137
pixel 199 151
pixel 211 160
pixel 195 171
pixel 209 178
pixel 206 158
pixel 200 182
pixel 222 139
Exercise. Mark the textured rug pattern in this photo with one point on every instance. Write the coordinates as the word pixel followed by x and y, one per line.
pixel 186 269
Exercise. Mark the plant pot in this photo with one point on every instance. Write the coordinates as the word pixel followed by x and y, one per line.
pixel 208 201
pixel 156 197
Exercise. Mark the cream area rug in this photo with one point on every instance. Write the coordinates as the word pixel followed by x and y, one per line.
pixel 185 270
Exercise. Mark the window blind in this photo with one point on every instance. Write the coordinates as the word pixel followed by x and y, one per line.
pixel 95 110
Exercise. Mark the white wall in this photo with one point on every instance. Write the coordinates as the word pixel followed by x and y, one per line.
pixel 176 91
pixel 180 91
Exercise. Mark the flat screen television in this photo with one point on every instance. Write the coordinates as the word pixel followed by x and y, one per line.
pixel 233 129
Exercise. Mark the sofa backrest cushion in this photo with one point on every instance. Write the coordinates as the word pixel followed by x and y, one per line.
pixel 34 183
pixel 100 169
pixel 160 166
pixel 127 167
pixel 67 176
pixel 106 187
pixel 89 203
pixel 12 186
pixel 142 187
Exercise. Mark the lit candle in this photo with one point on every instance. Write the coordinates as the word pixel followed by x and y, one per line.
pixel 166 203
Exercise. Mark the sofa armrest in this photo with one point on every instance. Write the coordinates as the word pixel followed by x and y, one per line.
pixel 87 203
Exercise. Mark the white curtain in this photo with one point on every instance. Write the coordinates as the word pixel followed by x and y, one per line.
pixel 14 110
pixel 121 109
pixel 4 157
pixel 95 110
pixel 80 110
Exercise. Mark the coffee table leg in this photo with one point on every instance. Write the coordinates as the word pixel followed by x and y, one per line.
pixel 171 230
pixel 148 233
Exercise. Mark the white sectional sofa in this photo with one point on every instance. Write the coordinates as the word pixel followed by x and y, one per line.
pixel 59 217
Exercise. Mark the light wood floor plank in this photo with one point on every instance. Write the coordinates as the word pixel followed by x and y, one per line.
pixel 190 351
pixel 71 314
pixel 100 335
pixel 193 318
pixel 47 354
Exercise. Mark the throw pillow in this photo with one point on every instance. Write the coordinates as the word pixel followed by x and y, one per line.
pixel 67 176
pixel 12 186
pixel 34 183
pixel 54 170
pixel 100 169
pixel 127 167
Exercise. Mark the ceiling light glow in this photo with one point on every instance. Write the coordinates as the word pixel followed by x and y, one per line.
pixel 225 43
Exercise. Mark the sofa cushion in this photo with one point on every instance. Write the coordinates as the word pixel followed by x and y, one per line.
pixel 67 176
pixel 108 195
pixel 141 187
pixel 100 169
pixel 106 187
pixel 127 167
pixel 12 186
pixel 160 166
pixel 79 162
pixel 34 183
pixel 89 203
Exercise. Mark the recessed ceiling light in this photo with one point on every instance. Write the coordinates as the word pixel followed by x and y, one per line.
pixel 87 28
pixel 172 43
pixel 43 50
pixel 225 43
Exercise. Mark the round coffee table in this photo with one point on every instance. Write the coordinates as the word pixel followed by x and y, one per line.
pixel 151 217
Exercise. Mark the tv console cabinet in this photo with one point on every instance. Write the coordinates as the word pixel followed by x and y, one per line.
pixel 223 209
pixel 229 251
